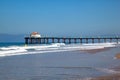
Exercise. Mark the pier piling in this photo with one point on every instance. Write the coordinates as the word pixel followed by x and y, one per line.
pixel 46 40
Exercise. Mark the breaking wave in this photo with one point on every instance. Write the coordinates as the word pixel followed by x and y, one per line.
pixel 47 48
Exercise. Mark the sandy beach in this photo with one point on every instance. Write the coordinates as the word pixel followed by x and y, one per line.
pixel 94 64
pixel 117 56
pixel 111 77
pixel 108 77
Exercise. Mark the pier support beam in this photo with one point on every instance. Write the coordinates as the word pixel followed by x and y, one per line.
pixel 75 40
pixel 86 40
pixel 58 40
pixel 98 40
pixel 39 40
pixel 105 40
pixel 92 40
pixel 47 40
pixel 69 40
pixel 26 40
pixel 117 40
pixel 64 40
pixel 81 40
pixel 31 41
pixel 43 40
pixel 110 39
pixel 52 40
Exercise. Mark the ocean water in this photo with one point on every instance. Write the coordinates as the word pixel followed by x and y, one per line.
pixel 57 61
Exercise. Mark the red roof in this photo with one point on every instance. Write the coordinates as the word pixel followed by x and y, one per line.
pixel 34 33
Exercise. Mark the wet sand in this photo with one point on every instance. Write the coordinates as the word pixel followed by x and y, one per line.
pixel 93 51
pixel 54 66
pixel 112 76
pixel 108 77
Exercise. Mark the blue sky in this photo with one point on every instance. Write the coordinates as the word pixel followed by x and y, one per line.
pixel 60 17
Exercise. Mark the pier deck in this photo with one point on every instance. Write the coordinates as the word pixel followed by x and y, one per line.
pixel 46 40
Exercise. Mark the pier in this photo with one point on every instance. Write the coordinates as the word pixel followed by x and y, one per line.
pixel 46 40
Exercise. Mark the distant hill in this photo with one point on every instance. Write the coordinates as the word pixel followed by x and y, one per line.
pixel 12 38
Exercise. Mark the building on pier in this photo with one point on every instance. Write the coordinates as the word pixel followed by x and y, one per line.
pixel 35 35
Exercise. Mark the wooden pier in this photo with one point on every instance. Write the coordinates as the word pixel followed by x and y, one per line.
pixel 46 40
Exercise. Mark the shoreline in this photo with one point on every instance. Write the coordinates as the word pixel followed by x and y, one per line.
pixel 108 77
pixel 115 76
pixel 62 60
pixel 94 51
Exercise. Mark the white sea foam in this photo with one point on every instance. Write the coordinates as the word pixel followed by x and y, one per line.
pixel 89 78
pixel 55 47
pixel 106 70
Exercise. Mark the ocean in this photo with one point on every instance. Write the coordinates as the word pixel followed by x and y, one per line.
pixel 58 61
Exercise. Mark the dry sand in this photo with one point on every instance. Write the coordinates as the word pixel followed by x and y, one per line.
pixel 117 56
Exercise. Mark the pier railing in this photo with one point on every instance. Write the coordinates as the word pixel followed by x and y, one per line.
pixel 46 40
